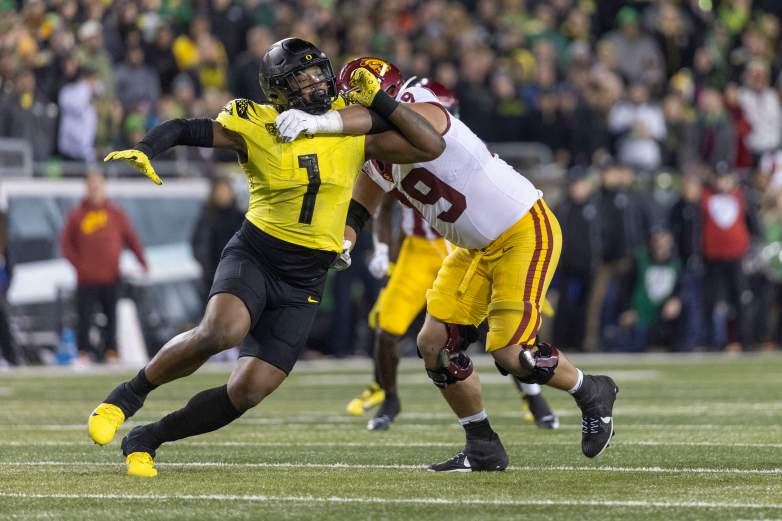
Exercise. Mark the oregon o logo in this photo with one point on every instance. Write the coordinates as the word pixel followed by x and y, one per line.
pixel 308 57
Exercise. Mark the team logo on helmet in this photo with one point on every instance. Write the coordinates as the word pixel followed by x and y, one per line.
pixel 379 67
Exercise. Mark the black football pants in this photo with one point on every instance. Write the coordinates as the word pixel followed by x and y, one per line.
pixel 89 299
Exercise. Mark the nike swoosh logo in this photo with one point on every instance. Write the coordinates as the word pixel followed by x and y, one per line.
pixel 94 414
pixel 605 419
pixel 312 300
pixel 466 463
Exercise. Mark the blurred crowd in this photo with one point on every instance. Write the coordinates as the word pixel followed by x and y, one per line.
pixel 621 91
pixel 656 82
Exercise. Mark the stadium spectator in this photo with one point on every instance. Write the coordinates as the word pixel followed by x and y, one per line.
pixel 625 225
pixel 772 226
pixel 95 233
pixel 244 81
pixel 160 57
pixel 78 116
pixel 25 115
pixel 672 29
pixel 679 119
pixel 714 139
pixel 91 54
pixel 640 125
pixel 726 240
pixel 591 135
pixel 651 305
pixel 137 84
pixel 8 347
pixel 638 56
pixel 686 222
pixel 760 105
pixel 581 253
pixel 220 219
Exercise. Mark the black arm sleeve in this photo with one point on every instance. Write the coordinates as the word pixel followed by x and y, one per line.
pixel 357 216
pixel 379 123
pixel 190 132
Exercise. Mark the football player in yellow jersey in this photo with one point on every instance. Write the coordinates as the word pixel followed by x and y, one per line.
pixel 271 274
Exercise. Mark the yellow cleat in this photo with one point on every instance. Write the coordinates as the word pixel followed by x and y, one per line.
pixel 141 464
pixel 104 422
pixel 370 397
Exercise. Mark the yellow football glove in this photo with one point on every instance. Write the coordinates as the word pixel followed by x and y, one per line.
pixel 138 160
pixel 366 87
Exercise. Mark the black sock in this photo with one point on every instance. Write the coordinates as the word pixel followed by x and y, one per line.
pixel 129 396
pixel 480 430
pixel 140 385
pixel 205 412
pixel 390 406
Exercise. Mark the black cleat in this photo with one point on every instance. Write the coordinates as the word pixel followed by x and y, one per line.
pixel 478 456
pixel 597 422
pixel 541 412
pixel 138 440
pixel 386 414
pixel 379 423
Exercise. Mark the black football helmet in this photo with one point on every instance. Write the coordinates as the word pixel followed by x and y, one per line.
pixel 283 82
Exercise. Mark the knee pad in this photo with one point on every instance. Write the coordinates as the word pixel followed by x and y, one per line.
pixel 453 365
pixel 538 362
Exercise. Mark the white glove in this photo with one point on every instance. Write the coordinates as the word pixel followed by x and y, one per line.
pixel 342 262
pixel 293 122
pixel 379 263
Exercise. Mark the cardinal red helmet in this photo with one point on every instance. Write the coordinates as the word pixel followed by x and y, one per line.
pixel 389 75
pixel 446 95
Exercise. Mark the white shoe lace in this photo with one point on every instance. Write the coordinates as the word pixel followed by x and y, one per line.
pixel 590 425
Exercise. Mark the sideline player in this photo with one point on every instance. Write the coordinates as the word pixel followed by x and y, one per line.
pixel 420 256
pixel 270 278
pixel 509 243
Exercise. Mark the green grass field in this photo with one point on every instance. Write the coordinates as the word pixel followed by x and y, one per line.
pixel 697 438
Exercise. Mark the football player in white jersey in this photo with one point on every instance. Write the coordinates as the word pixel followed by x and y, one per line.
pixel 508 245
pixel 420 257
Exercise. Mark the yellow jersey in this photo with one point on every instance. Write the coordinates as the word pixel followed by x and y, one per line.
pixel 299 191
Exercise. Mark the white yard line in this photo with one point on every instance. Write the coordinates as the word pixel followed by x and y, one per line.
pixel 402 501
pixel 398 444
pixel 309 422
pixel 351 466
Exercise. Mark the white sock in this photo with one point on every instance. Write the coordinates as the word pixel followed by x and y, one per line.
pixel 580 380
pixel 530 389
pixel 474 418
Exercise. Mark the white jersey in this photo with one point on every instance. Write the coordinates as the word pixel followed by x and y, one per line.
pixel 469 195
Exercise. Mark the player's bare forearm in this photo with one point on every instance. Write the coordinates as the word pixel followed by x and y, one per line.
pixel 408 136
pixel 356 120
pixel 418 130
pixel 367 193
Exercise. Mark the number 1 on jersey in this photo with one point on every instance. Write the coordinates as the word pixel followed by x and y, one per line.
pixel 310 162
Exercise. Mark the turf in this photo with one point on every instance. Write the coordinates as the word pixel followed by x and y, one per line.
pixel 697 438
